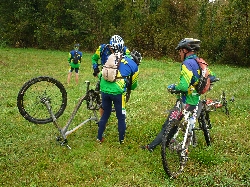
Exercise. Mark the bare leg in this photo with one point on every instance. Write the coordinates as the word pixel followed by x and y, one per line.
pixel 69 76
pixel 77 78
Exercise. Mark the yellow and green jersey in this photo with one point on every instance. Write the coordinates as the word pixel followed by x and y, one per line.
pixel 190 73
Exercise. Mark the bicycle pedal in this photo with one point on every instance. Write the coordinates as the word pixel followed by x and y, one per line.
pixel 68 146
pixel 65 143
pixel 58 138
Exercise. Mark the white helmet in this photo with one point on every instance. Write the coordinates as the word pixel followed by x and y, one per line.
pixel 116 43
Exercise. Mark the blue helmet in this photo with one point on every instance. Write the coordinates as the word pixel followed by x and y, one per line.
pixel 116 43
pixel 77 45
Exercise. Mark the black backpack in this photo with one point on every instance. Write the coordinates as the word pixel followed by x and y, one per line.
pixel 76 57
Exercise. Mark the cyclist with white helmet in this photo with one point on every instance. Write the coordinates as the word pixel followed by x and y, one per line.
pixel 114 92
pixel 102 53
pixel 104 50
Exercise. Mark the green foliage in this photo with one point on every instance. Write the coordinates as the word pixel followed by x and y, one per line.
pixel 152 27
pixel 30 156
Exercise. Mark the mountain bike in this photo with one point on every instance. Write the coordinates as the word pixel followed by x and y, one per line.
pixel 180 134
pixel 44 93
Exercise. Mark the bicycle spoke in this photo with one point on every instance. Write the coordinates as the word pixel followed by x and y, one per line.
pixel 174 157
pixel 33 95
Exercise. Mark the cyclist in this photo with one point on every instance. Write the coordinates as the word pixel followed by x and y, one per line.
pixel 188 77
pixel 102 53
pixel 74 60
pixel 115 92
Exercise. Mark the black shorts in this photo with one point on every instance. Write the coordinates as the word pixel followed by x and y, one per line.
pixel 72 69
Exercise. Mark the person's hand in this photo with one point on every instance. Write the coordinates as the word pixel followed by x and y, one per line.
pixel 96 71
pixel 171 88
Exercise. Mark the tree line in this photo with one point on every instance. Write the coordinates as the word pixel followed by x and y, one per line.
pixel 153 27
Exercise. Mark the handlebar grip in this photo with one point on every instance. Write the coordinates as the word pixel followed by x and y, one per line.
pixel 174 91
pixel 215 80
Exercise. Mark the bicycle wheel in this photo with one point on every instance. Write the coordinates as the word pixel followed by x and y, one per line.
pixel 33 95
pixel 173 157
pixel 204 120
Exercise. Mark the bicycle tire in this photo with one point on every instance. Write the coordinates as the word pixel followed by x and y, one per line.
pixel 171 150
pixel 203 122
pixel 33 94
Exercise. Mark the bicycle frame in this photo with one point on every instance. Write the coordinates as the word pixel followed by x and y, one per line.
pixel 177 137
pixel 186 125
pixel 64 132
pixel 213 104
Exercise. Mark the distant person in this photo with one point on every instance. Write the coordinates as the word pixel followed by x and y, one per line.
pixel 74 60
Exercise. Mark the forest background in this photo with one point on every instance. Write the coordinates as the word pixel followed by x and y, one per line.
pixel 153 27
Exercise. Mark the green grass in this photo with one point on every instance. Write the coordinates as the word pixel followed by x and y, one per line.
pixel 30 156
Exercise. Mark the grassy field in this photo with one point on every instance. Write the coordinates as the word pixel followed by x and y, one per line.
pixel 30 156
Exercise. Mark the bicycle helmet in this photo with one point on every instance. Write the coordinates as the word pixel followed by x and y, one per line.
pixel 190 44
pixel 77 45
pixel 116 43
pixel 136 57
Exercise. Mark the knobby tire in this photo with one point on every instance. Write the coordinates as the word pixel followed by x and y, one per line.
pixel 35 92
pixel 203 122
pixel 170 158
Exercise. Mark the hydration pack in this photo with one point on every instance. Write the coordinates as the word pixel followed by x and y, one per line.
pixel 204 81
pixel 76 57
pixel 110 68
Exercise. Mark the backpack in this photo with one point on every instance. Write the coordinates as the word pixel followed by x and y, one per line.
pixel 76 57
pixel 110 68
pixel 204 81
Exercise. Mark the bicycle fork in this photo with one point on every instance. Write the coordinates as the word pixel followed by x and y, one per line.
pixel 63 136
pixel 188 136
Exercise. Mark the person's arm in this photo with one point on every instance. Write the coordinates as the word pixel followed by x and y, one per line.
pixel 80 60
pixel 96 57
pixel 132 84
pixel 69 57
pixel 185 79
pixel 134 79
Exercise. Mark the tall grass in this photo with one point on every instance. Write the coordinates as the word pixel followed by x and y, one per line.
pixel 30 156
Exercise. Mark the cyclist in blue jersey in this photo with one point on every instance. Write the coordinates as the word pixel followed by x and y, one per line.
pixel 74 60
pixel 114 90
pixel 189 76
pixel 103 51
